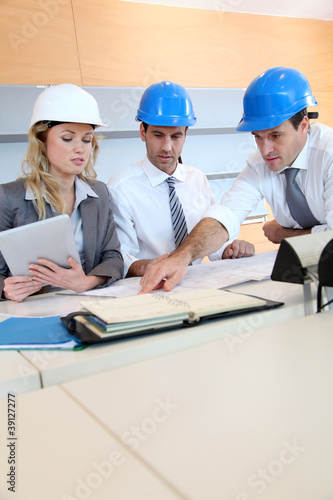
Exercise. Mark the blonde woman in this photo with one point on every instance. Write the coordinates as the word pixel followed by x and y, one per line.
pixel 59 178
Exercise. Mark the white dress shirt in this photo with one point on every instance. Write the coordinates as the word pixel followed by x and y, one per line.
pixel 82 191
pixel 256 181
pixel 141 208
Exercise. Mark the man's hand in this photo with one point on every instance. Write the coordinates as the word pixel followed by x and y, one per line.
pixel 276 233
pixel 19 287
pixel 207 236
pixel 273 231
pixel 238 249
pixel 164 272
pixel 138 267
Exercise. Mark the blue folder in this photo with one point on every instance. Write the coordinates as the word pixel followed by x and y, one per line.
pixel 36 333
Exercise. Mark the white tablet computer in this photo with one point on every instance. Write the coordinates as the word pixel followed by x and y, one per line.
pixel 51 239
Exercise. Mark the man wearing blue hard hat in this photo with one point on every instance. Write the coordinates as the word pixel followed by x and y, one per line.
pixel 159 200
pixel 292 169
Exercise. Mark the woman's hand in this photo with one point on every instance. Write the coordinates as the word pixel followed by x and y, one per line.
pixel 73 278
pixel 19 287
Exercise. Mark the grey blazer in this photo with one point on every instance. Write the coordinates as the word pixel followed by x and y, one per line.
pixel 101 244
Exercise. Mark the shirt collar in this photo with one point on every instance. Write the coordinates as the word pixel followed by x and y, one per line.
pixel 301 160
pixel 156 176
pixel 82 191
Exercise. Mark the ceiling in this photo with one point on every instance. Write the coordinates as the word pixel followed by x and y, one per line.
pixel 311 9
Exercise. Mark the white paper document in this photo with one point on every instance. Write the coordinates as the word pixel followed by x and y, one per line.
pixel 216 274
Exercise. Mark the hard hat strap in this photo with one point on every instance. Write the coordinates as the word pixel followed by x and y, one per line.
pixel 50 123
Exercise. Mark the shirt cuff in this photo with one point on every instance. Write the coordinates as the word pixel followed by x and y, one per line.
pixel 218 254
pixel 128 261
pixel 320 228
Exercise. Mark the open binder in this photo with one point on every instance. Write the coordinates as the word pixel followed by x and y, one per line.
pixel 113 319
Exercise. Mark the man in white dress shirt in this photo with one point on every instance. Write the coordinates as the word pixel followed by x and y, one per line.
pixel 140 193
pixel 275 112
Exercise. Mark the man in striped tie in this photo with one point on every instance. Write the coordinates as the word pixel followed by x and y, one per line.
pixel 156 202
pixel 292 169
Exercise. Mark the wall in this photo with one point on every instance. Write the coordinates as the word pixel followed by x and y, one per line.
pixel 213 145
pixel 114 43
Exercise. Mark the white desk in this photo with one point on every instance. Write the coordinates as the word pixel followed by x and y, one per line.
pixel 57 367
pixel 48 304
pixel 17 374
pixel 252 422
pixel 63 453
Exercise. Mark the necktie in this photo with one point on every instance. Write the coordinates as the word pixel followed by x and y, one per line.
pixel 297 203
pixel 177 214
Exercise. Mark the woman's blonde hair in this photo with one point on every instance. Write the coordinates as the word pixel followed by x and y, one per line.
pixel 36 170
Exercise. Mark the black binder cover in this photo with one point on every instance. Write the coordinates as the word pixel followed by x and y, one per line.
pixel 89 337
pixel 288 267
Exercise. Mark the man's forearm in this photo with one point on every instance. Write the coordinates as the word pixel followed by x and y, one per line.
pixel 206 238
pixel 289 233
pixel 276 233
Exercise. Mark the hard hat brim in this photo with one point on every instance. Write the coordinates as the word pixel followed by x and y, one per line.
pixel 251 124
pixel 166 121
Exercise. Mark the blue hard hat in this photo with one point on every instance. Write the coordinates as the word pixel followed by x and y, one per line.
pixel 166 104
pixel 273 97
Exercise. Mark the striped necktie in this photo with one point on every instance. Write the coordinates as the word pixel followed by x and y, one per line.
pixel 296 201
pixel 177 214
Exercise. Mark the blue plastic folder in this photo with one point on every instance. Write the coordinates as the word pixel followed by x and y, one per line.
pixel 36 333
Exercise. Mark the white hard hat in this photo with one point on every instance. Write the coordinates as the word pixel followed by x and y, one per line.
pixel 66 103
